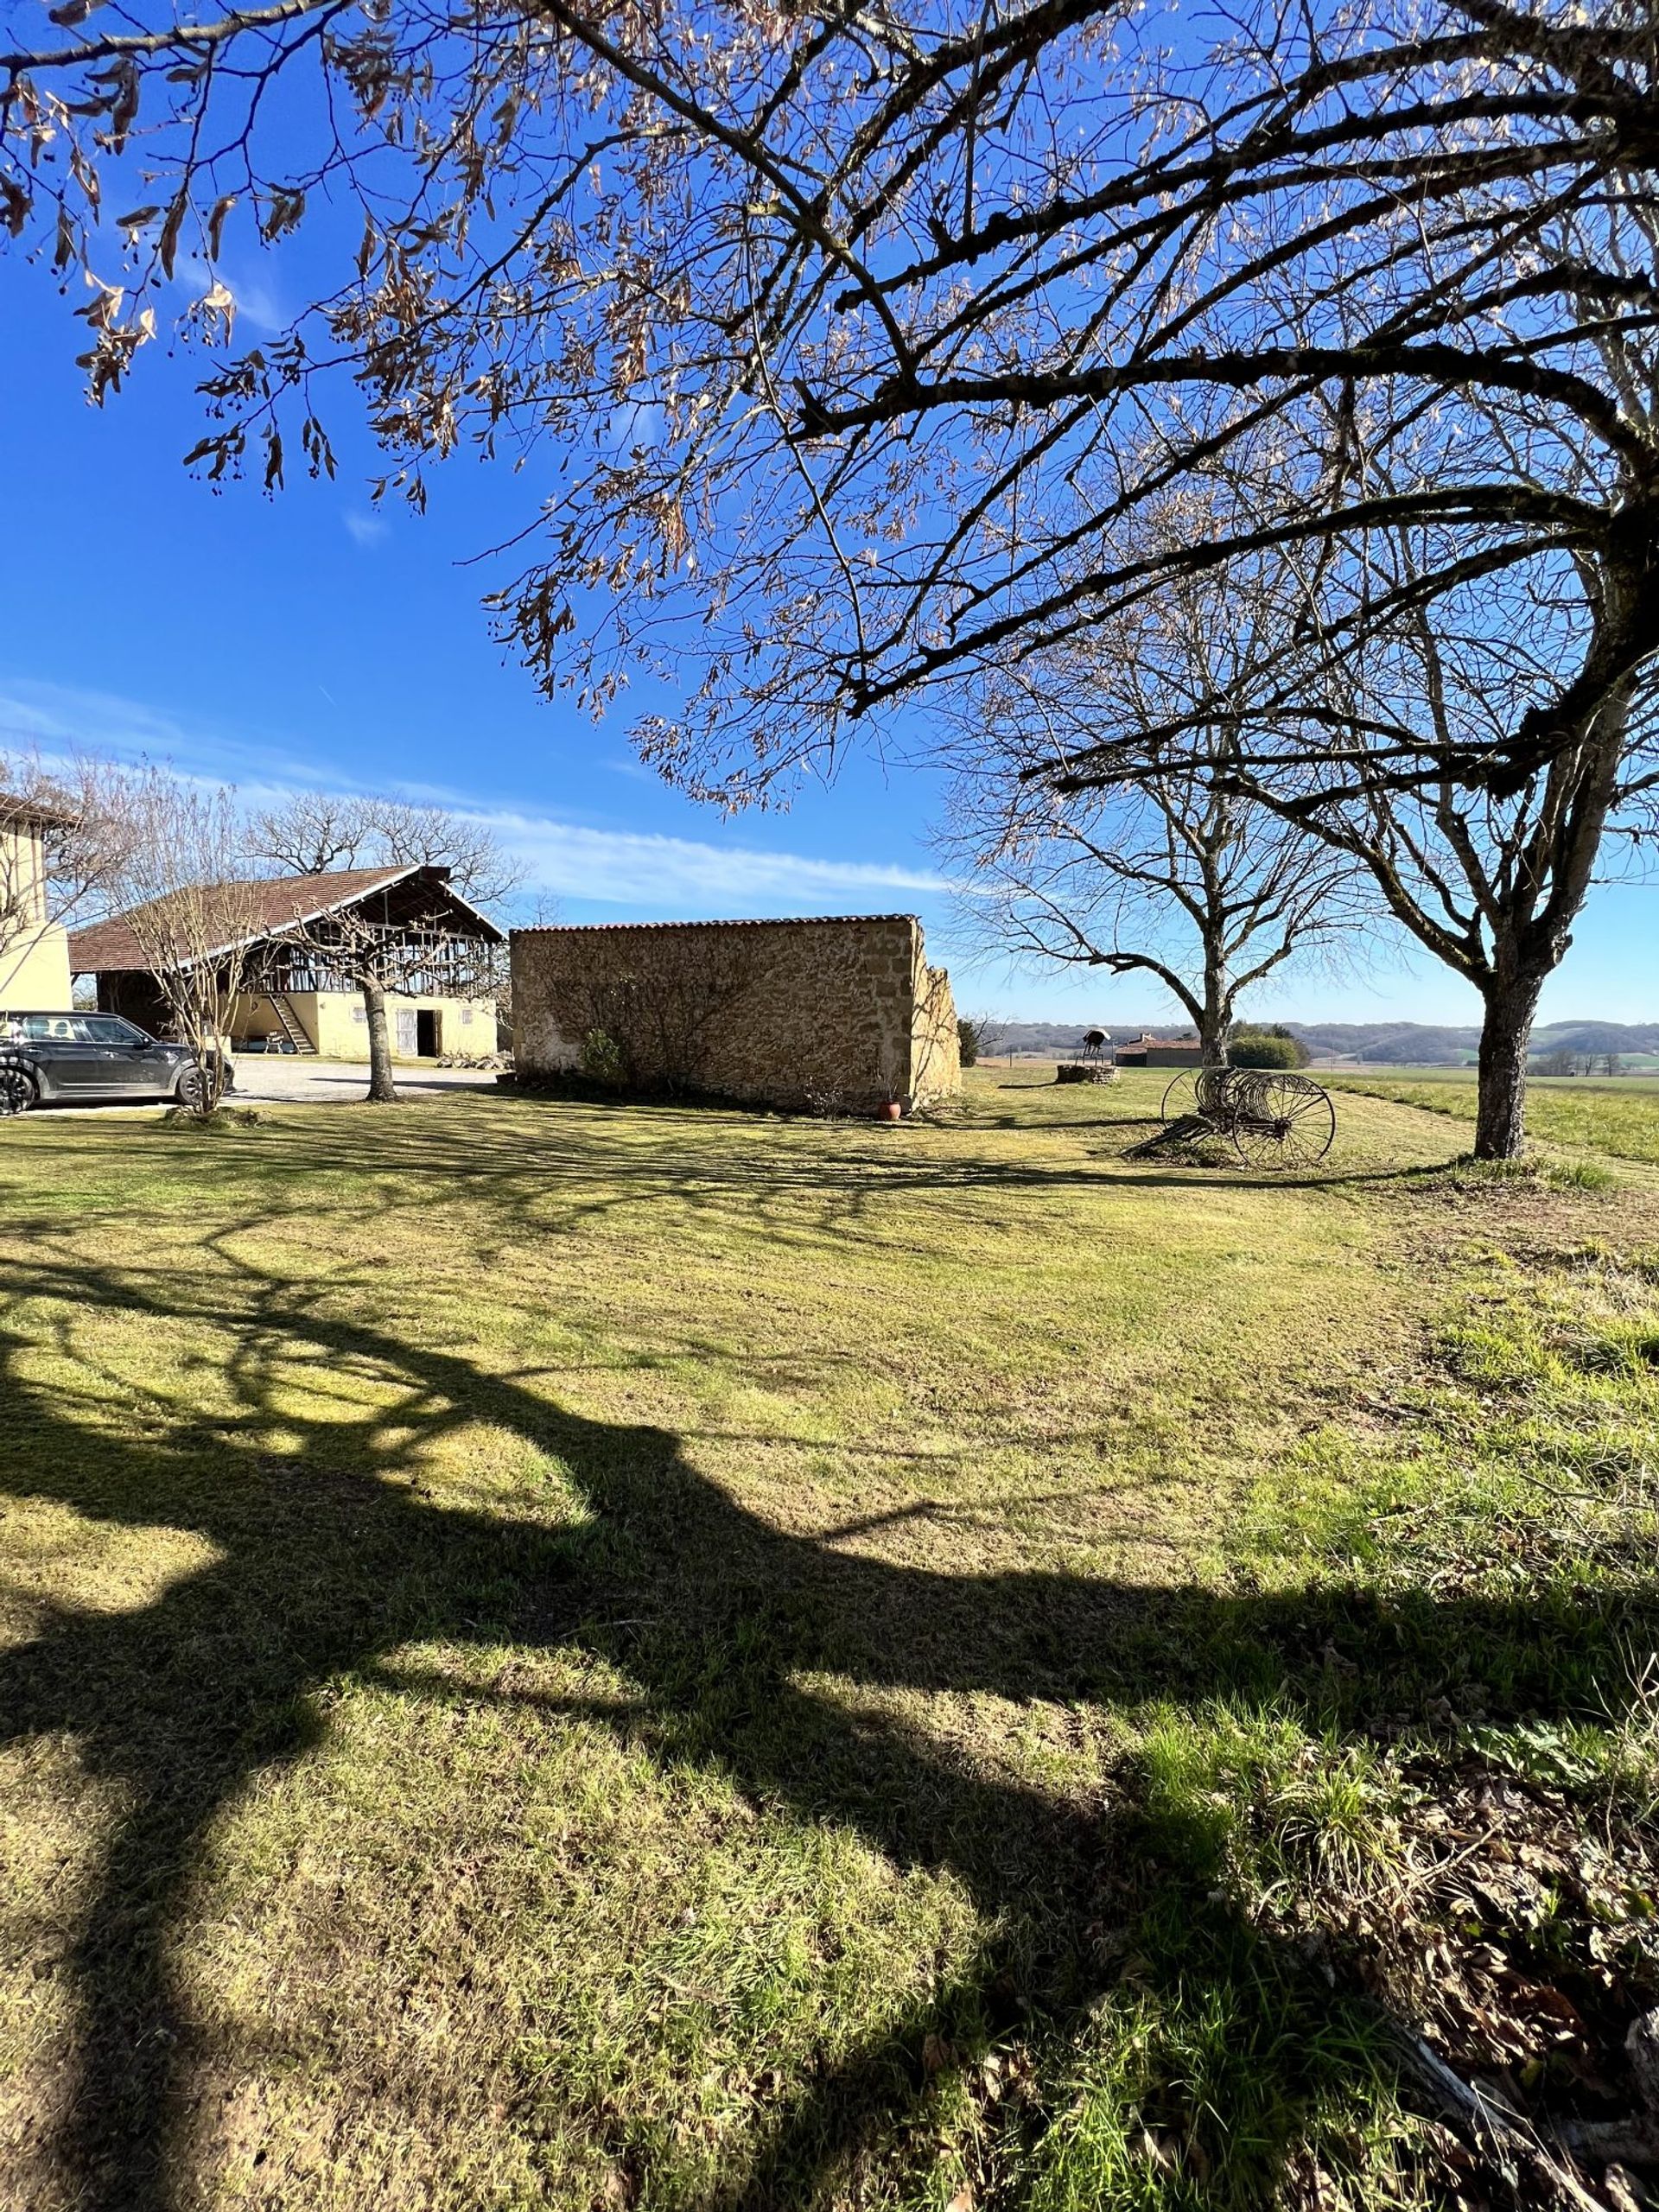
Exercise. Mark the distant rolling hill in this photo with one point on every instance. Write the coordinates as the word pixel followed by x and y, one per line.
pixel 1385 1044
pixel 1412 1043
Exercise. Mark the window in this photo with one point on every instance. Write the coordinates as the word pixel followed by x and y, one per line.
pixel 110 1029
pixel 359 1013
pixel 56 1029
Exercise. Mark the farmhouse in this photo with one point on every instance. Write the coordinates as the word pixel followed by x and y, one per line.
pixel 299 992
pixel 1145 1052
pixel 839 1013
pixel 34 949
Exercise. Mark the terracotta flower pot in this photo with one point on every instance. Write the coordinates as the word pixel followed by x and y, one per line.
pixel 890 1109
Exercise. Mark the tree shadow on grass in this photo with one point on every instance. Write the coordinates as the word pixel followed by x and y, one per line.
pixel 541 1167
pixel 325 1561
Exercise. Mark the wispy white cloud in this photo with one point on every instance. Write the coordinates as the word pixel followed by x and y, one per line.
pixel 684 874
pixel 645 872
pixel 635 427
pixel 51 714
pixel 365 530
pixel 260 307
pixel 60 718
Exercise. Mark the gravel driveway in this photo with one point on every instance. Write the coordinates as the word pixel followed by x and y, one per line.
pixel 263 1078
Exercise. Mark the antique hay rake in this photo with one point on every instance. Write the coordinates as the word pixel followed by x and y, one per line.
pixel 1271 1117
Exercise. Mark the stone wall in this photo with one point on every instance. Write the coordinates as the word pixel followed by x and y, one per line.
pixel 833 1015
pixel 938 1048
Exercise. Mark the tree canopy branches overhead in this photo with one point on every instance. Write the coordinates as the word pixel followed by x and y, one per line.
pixel 861 336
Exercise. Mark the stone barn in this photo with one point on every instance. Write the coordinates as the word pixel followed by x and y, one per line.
pixel 840 1015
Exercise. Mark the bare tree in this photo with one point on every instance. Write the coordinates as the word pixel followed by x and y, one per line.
pixel 1172 872
pixel 313 832
pixel 857 335
pixel 193 914
pixel 1173 879
pixel 421 950
pixel 1562 1061
pixel 1336 688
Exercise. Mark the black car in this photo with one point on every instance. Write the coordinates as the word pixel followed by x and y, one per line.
pixel 57 1059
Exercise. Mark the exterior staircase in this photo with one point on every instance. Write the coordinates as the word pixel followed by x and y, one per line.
pixel 290 1023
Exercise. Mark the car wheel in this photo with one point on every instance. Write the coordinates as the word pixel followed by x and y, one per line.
pixel 19 1088
pixel 192 1088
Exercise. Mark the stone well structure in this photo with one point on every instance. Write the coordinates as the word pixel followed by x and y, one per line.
pixel 832 1015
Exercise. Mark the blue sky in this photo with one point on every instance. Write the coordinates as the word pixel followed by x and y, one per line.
pixel 309 640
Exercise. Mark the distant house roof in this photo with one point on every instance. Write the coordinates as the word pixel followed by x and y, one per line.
pixel 283 903
pixel 1137 1048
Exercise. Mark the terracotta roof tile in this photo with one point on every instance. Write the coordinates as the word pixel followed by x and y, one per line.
pixel 742 922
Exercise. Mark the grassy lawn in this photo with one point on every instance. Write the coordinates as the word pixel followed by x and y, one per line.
pixel 580 1657
pixel 1618 1115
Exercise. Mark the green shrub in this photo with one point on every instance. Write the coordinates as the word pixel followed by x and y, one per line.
pixel 1267 1048
pixel 601 1058
pixel 973 1037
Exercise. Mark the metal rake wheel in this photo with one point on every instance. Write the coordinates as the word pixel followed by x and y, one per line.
pixel 1280 1120
pixel 1181 1096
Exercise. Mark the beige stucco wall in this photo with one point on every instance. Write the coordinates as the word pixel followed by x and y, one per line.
pixel 33 953
pixel 34 972
pixel 338 1026
pixel 833 1015
pixel 23 871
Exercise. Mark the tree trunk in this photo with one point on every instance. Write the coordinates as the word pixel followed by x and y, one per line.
pixel 1501 1112
pixel 1217 1018
pixel 382 1092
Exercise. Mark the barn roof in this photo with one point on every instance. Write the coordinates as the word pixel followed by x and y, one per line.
pixel 283 903
pixel 14 807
